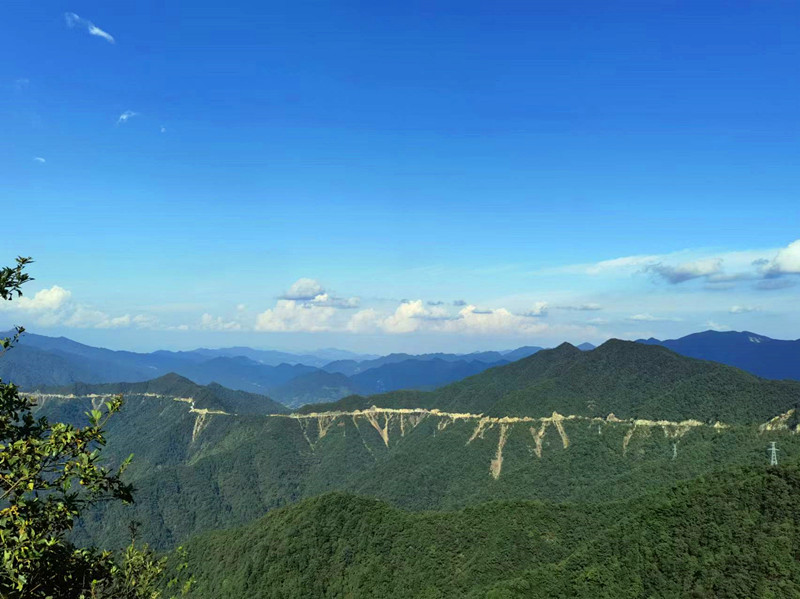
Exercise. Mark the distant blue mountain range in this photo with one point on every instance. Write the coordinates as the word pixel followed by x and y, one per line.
pixel 293 379
pixel 758 354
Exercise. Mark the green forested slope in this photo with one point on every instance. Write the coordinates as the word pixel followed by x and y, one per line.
pixel 211 397
pixel 733 534
pixel 196 470
pixel 628 379
pixel 235 469
pixel 339 545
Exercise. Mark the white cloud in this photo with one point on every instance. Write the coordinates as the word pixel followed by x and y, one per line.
pixel 538 309
pixel 311 294
pixel 599 321
pixel 786 261
pixel 646 317
pixel 687 271
pixel 406 318
pixel 590 307
pixel 303 289
pixel 39 159
pixel 499 321
pixel 145 321
pixel 86 317
pixel 679 266
pixel 413 316
pixel 292 315
pixel 743 309
pixel 74 20
pixel 364 321
pixel 115 323
pixel 715 326
pixel 211 323
pixel 126 116
pixel 323 299
pixel 55 307
pixel 45 300
pixel 624 263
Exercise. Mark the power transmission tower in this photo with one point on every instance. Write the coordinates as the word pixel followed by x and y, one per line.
pixel 773 454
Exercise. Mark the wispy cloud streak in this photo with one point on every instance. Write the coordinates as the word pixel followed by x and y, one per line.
pixel 74 20
pixel 125 116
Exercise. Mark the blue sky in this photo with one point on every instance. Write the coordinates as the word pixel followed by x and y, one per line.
pixel 401 176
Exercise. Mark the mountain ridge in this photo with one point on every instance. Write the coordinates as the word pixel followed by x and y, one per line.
pixel 41 360
pixel 755 353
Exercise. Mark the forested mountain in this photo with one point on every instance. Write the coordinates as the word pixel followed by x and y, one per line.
pixel 318 386
pixel 733 534
pixel 577 452
pixel 630 380
pixel 272 357
pixel 416 374
pixel 492 436
pixel 172 386
pixel 321 386
pixel 359 547
pixel 293 379
pixel 765 357
pixel 352 367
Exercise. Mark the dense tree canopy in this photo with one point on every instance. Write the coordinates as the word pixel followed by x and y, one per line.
pixel 50 472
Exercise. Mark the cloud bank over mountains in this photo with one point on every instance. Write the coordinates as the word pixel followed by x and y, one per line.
pixel 602 300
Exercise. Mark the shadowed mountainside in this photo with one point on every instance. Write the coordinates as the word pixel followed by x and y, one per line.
pixel 758 354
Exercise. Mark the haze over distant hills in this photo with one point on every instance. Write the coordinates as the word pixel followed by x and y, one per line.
pixel 328 375
pixel 759 354
pixel 293 379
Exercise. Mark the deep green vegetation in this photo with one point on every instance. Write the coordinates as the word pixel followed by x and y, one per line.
pixel 628 379
pixel 197 472
pixel 339 545
pixel 733 534
pixel 509 498
pixel 736 534
pixel 51 473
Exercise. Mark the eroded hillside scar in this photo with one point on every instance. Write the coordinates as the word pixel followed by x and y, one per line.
pixel 200 422
pixel 372 417
pixel 557 420
pixel 324 422
pixel 479 430
pixel 316 426
pixel 497 463
pixel 538 436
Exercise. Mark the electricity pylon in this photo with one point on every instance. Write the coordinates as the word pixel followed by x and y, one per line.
pixel 773 454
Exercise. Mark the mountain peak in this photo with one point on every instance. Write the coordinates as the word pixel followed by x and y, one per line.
pixel 566 349
pixel 172 378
